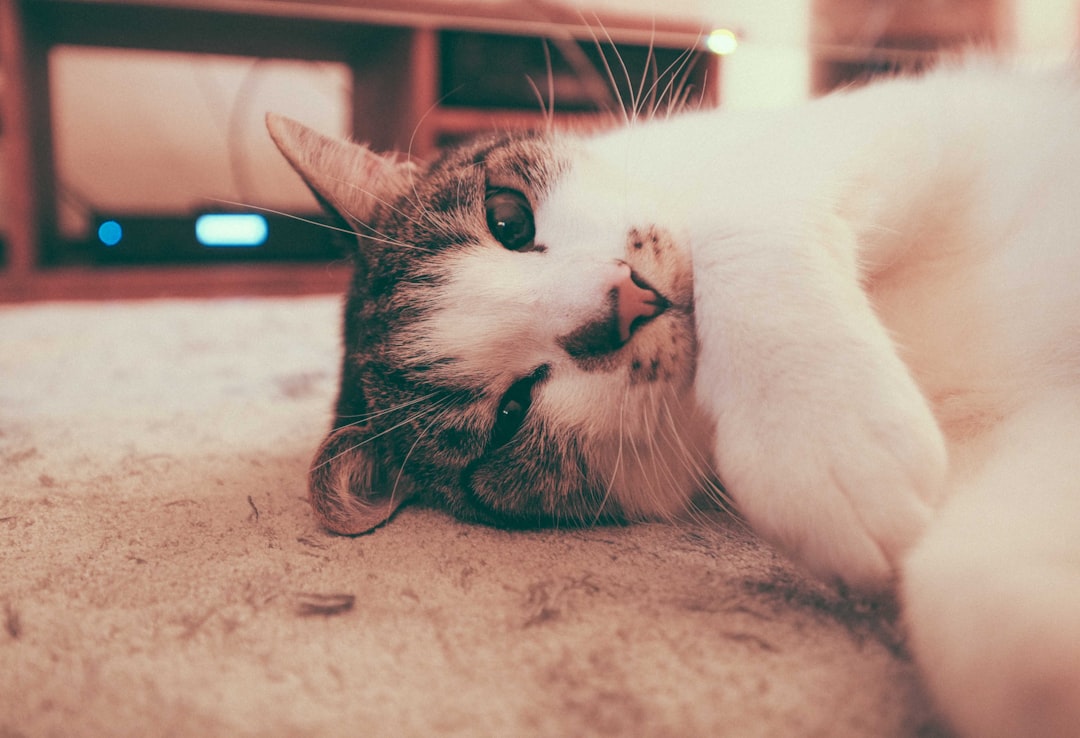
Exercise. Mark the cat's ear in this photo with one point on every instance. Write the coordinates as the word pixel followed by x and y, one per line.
pixel 351 490
pixel 348 178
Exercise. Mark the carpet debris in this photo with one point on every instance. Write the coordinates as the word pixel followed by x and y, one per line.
pixel 12 621
pixel 314 603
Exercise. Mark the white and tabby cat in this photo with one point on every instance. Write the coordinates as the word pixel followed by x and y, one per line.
pixel 861 316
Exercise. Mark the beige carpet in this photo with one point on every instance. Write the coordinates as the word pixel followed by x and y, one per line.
pixel 160 573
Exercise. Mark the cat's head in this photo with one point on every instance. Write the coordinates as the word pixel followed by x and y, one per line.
pixel 519 342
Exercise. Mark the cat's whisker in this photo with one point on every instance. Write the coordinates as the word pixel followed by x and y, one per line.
pixel 644 488
pixel 374 196
pixel 650 471
pixel 549 123
pixel 416 130
pixel 378 237
pixel 437 406
pixel 654 68
pixel 639 96
pixel 631 116
pixel 663 461
pixel 374 234
pixel 365 417
pixel 676 459
pixel 419 201
pixel 607 68
pixel 539 98
pixel 547 108
pixel 682 102
pixel 680 67
pixel 429 217
pixel 439 411
pixel 679 455
pixel 282 213
pixel 406 421
pixel 616 468
pixel 701 468
pixel 677 74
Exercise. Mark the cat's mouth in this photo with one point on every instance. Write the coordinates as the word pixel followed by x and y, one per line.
pixel 632 302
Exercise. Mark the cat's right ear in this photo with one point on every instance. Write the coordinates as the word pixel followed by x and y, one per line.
pixel 351 490
pixel 349 179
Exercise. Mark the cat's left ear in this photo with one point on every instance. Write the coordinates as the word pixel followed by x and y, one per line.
pixel 351 489
pixel 349 179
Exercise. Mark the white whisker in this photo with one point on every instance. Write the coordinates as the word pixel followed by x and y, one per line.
pixel 677 73
pixel 700 467
pixel 377 237
pixel 443 410
pixel 406 421
pixel 617 466
pixel 607 68
pixel 648 485
pixel 637 97
pixel 360 419
pixel 382 201
pixel 271 211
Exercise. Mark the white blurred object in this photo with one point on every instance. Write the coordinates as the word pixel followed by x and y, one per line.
pixel 1045 31
pixel 156 132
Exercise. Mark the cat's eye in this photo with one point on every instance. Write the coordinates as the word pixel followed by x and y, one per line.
pixel 513 408
pixel 510 219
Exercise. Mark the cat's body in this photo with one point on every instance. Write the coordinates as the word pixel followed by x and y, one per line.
pixel 860 316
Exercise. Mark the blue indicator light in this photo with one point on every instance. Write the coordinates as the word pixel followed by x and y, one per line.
pixel 231 230
pixel 110 233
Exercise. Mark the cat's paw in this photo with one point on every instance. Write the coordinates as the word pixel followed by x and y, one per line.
pixel 823 439
pixel 843 473
pixel 991 594
pixel 998 642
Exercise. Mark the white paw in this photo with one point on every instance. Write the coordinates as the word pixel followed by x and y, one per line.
pixel 823 439
pixel 991 594
pixel 843 473
pixel 998 643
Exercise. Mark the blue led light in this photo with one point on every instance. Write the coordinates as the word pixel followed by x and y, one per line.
pixel 110 233
pixel 231 230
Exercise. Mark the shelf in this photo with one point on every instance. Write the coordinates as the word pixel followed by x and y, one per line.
pixel 855 40
pixel 393 52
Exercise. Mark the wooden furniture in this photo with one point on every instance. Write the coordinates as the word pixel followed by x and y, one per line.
pixel 392 49
pixel 854 40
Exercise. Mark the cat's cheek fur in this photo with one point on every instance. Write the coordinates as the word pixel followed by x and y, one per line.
pixel 539 478
pixel 497 314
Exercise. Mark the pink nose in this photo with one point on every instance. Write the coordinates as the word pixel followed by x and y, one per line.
pixel 637 301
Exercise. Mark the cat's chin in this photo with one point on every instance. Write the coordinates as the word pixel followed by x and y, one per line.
pixel 660 466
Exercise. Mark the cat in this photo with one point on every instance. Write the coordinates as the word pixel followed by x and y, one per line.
pixel 858 321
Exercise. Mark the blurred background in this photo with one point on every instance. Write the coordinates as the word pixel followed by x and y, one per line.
pixel 123 122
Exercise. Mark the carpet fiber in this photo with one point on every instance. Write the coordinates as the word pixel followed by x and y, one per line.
pixel 162 574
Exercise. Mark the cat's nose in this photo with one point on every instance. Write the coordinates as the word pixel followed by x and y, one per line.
pixel 631 302
pixel 636 303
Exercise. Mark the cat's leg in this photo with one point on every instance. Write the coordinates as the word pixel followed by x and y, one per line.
pixel 992 593
pixel 822 437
